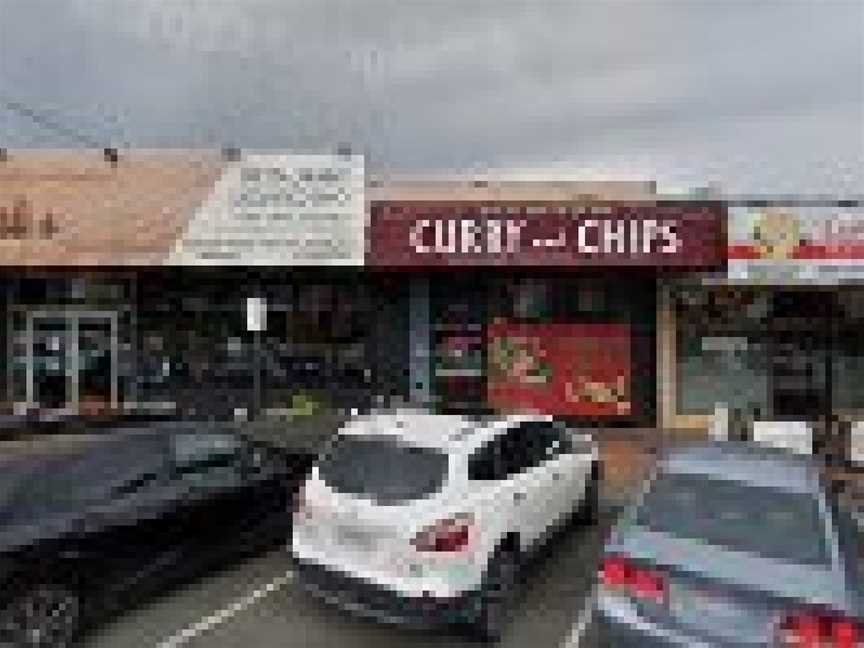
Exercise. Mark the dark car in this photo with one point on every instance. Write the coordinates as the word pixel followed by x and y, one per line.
pixel 733 545
pixel 83 535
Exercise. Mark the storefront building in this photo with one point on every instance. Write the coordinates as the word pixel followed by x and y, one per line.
pixel 780 335
pixel 540 296
pixel 195 283
pixel 128 284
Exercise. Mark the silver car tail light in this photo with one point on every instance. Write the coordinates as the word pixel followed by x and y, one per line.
pixel 812 629
pixel 619 573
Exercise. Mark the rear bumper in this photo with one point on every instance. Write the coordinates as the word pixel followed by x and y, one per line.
pixel 618 624
pixel 360 597
pixel 612 633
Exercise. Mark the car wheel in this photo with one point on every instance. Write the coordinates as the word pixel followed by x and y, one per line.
pixel 495 595
pixel 46 615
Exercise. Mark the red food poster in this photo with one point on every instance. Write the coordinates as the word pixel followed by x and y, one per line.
pixel 565 369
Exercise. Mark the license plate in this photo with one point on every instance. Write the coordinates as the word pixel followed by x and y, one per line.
pixel 355 537
pixel 698 606
pixel 716 613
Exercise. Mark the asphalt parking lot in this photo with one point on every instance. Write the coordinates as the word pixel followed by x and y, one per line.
pixel 259 603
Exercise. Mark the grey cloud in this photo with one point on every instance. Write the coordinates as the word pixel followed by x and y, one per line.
pixel 699 85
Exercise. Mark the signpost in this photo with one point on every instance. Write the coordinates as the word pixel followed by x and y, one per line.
pixel 256 321
pixel 256 314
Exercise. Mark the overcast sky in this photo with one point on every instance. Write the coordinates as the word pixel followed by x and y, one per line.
pixel 761 97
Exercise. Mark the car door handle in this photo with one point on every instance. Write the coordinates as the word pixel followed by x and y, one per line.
pixel 518 497
pixel 556 476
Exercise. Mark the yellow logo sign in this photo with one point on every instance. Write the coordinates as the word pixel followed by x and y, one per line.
pixel 776 234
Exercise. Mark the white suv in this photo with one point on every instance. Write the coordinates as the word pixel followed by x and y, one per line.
pixel 417 517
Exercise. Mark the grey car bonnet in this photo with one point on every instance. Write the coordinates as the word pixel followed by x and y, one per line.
pixel 43 497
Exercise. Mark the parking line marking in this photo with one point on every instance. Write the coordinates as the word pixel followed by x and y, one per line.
pixel 578 629
pixel 184 636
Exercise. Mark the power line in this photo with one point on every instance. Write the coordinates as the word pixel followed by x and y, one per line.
pixel 48 123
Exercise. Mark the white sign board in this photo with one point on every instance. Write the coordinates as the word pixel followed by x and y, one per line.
pixel 796 245
pixel 280 210
pixel 256 314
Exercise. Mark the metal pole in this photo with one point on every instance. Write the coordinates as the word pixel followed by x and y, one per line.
pixel 132 390
pixel 30 394
pixel 73 360
pixel 256 318
pixel 256 404
pixel 115 359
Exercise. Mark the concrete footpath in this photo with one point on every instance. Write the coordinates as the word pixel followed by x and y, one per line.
pixel 626 460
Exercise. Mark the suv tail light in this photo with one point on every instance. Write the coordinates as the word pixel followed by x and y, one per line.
pixel 451 534
pixel 820 630
pixel 622 574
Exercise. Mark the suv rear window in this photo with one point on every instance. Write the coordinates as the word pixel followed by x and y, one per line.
pixel 382 469
pixel 772 523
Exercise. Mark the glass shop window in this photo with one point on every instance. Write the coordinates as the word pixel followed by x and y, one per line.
pixel 723 354
pixel 848 352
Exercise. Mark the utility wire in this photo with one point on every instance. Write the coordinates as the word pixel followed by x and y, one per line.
pixel 735 201
pixel 48 123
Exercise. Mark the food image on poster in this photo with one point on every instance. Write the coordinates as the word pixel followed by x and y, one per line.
pixel 566 369
pixel 520 359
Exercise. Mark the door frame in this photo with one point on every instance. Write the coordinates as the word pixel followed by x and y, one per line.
pixel 72 318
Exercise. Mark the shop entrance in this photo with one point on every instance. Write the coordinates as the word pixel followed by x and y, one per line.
pixel 70 360
pixel 800 354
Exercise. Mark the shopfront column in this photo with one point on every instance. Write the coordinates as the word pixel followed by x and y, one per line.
pixel 419 341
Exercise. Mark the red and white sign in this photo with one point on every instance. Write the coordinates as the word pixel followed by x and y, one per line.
pixel 566 369
pixel 485 234
pixel 800 245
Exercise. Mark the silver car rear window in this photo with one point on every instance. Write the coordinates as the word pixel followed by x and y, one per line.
pixel 383 469
pixel 763 521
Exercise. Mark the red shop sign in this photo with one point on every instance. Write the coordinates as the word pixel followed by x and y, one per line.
pixel 566 369
pixel 429 234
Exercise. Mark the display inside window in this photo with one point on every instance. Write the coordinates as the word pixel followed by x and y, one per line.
pixel 731 370
pixel 562 299
pixel 848 365
pixel 723 352
pixel 562 369
pixel 532 298
pixel 458 345
pixel 847 361
pixel 459 354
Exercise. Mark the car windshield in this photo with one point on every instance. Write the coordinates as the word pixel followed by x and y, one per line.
pixel 382 469
pixel 772 523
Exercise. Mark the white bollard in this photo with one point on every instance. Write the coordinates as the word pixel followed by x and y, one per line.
pixel 719 428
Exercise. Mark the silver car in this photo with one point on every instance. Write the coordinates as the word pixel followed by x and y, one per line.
pixel 732 545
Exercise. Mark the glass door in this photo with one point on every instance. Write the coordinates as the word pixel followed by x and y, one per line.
pixel 49 375
pixel 96 366
pixel 799 377
pixel 69 361
pixel 801 342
